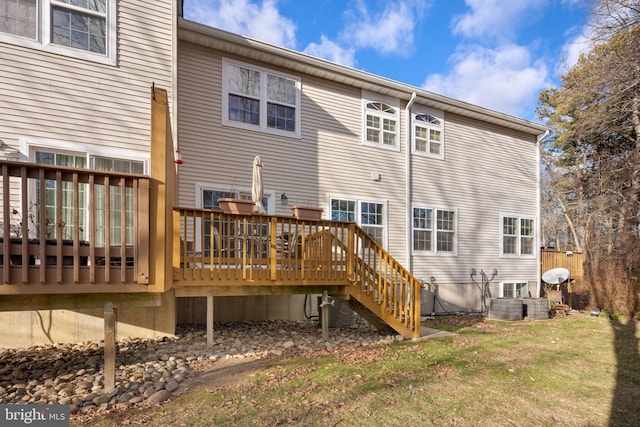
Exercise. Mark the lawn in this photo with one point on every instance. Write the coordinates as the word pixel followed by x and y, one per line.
pixel 573 371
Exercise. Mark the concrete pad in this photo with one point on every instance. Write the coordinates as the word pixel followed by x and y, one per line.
pixel 429 333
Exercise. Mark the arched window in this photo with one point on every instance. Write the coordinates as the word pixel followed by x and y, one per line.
pixel 381 127
pixel 427 135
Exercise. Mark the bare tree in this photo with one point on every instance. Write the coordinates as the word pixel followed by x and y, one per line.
pixel 595 166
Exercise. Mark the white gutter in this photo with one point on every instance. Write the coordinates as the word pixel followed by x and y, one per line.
pixel 539 208
pixel 407 109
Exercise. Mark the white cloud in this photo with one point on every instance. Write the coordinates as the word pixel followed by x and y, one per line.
pixel 505 79
pixel 497 19
pixel 257 20
pixel 571 52
pixel 331 51
pixel 389 31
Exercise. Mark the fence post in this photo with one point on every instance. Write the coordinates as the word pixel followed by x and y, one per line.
pixel 109 346
pixel 210 319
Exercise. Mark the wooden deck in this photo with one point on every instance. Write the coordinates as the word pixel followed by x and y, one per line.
pixel 218 254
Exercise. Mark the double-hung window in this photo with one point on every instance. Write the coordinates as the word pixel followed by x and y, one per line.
pixel 260 99
pixel 518 236
pixel 83 29
pixel 514 289
pixel 370 215
pixel 435 231
pixel 382 122
pixel 428 135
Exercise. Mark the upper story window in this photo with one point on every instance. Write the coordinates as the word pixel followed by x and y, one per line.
pixel 84 29
pixel 259 99
pixel 382 125
pixel 428 135
pixel 518 236
pixel 435 231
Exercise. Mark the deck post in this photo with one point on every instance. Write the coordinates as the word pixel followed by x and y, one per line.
pixel 210 318
pixel 109 347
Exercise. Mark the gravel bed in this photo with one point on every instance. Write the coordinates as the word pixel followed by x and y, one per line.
pixel 150 371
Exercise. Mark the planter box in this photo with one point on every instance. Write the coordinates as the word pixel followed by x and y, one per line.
pixel 307 213
pixel 236 206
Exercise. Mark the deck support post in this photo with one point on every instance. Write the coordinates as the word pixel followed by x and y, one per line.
pixel 210 319
pixel 109 347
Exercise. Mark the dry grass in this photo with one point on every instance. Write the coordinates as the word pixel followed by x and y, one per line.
pixel 573 371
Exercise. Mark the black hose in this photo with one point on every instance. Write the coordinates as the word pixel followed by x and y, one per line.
pixel 308 317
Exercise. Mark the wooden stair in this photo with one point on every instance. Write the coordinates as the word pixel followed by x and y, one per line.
pixel 382 290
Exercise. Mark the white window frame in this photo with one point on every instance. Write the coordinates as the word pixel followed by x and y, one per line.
pixel 515 284
pixel 368 98
pixel 28 147
pixel 43 34
pixel 434 230
pixel 358 212
pixel 201 187
pixel 518 236
pixel 263 99
pixel 436 114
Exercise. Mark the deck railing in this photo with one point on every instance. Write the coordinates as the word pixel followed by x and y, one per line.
pixel 63 225
pixel 261 249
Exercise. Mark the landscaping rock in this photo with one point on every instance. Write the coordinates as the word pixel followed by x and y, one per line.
pixel 159 397
pixel 154 369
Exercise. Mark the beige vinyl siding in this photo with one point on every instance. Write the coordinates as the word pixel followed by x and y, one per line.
pixel 345 168
pixel 223 155
pixel 53 97
pixel 329 158
pixel 487 171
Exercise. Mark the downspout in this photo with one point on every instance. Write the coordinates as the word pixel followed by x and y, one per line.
pixel 407 109
pixel 176 12
pixel 538 208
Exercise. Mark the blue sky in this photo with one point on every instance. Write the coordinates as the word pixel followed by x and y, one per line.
pixel 495 53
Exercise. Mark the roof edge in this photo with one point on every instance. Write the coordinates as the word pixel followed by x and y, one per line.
pixel 265 52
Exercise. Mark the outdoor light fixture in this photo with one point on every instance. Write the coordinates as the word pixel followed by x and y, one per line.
pixel 178 159
pixel 284 200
